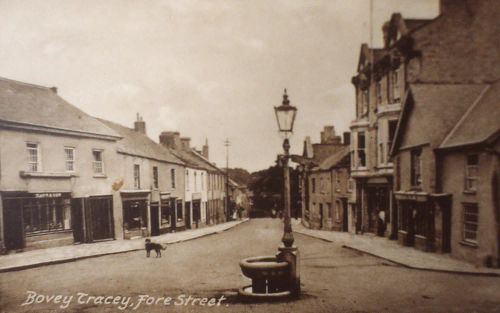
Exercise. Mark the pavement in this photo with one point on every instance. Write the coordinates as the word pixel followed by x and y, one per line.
pixel 392 251
pixel 63 254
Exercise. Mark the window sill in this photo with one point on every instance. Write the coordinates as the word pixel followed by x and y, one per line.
pixel 100 176
pixel 46 174
pixel 468 244
pixel 421 237
pixel 469 192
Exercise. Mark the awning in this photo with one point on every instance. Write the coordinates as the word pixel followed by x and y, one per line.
pixel 417 196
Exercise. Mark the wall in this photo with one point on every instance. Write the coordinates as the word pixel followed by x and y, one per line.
pixel 453 180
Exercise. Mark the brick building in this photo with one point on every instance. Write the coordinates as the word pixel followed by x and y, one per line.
pixel 445 177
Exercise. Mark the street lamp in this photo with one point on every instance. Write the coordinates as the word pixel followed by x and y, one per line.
pixel 285 116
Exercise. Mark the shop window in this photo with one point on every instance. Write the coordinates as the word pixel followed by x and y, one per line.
pixel 46 215
pixel 97 163
pixel 166 212
pixel 155 177
pixel 470 220
pixel 471 172
pixel 137 176
pixel 34 158
pixel 361 150
pixel 69 155
pixel 416 168
pixel 134 215
pixel 172 178
pixel 403 216
pixel 421 219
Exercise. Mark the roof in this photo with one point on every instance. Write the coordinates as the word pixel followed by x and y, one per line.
pixel 23 104
pixel 334 159
pixel 479 123
pixel 138 144
pixel 430 111
pixel 194 160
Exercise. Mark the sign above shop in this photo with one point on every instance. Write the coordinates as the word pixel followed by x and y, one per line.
pixel 48 195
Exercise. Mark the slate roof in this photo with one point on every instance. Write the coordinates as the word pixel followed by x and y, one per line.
pixel 32 105
pixel 194 160
pixel 333 160
pixel 479 123
pixel 138 144
pixel 430 111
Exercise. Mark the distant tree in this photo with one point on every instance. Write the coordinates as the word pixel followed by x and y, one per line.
pixel 267 187
pixel 240 175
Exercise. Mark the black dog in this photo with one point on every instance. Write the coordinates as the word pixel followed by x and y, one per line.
pixel 153 246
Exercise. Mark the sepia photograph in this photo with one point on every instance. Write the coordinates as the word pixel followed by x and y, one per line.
pixel 237 156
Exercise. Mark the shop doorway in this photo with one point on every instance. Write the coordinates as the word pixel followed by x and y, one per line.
pixel 13 223
pixel 155 221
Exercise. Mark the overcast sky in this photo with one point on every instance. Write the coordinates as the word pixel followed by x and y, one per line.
pixel 209 69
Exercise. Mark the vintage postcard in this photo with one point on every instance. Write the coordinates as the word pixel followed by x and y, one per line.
pixel 249 156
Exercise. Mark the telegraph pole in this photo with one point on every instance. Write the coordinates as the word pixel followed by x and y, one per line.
pixel 227 144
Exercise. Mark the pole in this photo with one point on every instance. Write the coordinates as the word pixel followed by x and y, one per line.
pixel 287 234
pixel 227 143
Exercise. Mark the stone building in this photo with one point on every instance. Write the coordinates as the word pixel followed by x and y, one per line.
pixel 452 70
pixel 152 184
pixel 329 190
pixel 58 167
pixel 313 155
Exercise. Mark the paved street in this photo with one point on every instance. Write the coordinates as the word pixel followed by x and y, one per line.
pixel 334 280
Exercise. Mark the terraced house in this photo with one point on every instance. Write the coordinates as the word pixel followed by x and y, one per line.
pixel 58 166
pixel 151 184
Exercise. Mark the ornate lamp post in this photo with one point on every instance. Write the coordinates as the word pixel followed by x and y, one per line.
pixel 285 116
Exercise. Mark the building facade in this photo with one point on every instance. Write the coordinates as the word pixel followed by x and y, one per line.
pixel 151 184
pixel 58 167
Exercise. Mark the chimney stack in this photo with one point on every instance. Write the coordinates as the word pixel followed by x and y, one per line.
pixel 171 140
pixel 347 138
pixel 140 125
pixel 328 136
pixel 205 149
pixel 186 143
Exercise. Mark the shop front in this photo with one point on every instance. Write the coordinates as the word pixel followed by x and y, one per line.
pixel 416 220
pixel 37 220
pixel 168 221
pixel 135 205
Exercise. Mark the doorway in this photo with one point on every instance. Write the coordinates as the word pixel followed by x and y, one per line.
pixel 155 221
pixel 345 215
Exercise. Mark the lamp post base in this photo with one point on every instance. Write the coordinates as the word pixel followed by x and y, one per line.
pixel 292 257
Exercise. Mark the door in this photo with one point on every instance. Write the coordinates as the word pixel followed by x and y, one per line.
pixel 188 214
pixel 196 212
pixel 345 213
pixel 101 212
pixel 155 221
pixel 77 219
pixel 446 208
pixel 13 222
pixel 321 216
